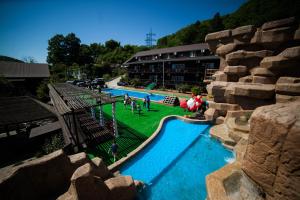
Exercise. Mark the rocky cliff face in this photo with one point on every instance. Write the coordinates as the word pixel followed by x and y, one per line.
pixel 272 157
pixel 260 71
pixel 254 62
pixel 58 176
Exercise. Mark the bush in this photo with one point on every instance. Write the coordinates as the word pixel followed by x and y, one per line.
pixel 183 88
pixel 106 77
pixel 42 92
pixel 136 82
pixel 196 90
pixel 52 144
pixel 124 78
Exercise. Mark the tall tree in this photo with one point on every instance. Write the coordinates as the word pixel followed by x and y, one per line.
pixel 72 48
pixel 216 23
pixel 112 44
pixel 56 50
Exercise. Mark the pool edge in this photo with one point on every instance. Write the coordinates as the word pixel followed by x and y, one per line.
pixel 116 166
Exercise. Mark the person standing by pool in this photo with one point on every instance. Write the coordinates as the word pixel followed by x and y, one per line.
pixel 145 101
pixel 133 105
pixel 114 149
pixel 148 103
pixel 139 109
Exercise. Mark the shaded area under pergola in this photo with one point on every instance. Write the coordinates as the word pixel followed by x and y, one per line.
pixel 15 111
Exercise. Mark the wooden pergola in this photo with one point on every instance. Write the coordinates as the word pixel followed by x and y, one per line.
pixel 73 103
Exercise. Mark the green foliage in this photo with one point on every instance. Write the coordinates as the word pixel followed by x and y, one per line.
pixel 106 77
pixel 42 92
pixel 254 12
pixel 183 88
pixel 125 78
pixel 196 90
pixel 136 82
pixel 52 144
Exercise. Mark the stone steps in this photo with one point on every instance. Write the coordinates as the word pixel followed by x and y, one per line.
pixel 221 133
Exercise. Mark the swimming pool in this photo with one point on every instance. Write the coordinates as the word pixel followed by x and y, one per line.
pixel 135 94
pixel 175 164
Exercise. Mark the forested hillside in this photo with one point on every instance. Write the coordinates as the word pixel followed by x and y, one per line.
pixel 254 12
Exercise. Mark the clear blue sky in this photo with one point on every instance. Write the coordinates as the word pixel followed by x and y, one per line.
pixel 27 25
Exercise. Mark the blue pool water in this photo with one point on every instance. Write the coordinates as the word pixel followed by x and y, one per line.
pixel 135 94
pixel 175 164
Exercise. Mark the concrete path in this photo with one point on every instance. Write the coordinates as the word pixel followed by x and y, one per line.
pixel 113 83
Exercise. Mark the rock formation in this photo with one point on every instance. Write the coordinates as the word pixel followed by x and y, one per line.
pixel 272 158
pixel 254 62
pixel 259 71
pixel 65 177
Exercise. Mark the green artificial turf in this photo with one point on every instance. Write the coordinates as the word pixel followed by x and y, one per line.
pixel 133 128
pixel 147 122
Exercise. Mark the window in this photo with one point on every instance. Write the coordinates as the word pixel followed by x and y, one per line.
pixel 178 67
pixel 151 68
pixel 209 65
pixel 178 79
pixel 193 54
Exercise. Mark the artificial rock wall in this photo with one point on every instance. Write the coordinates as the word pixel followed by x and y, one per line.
pixel 272 158
pixel 259 66
pixel 260 71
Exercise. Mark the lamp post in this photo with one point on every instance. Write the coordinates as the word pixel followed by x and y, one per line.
pixel 163 74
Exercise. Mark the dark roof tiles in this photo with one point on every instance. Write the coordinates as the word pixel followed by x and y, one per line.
pixel 23 70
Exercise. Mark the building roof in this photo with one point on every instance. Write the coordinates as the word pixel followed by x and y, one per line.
pixel 24 70
pixel 16 110
pixel 191 47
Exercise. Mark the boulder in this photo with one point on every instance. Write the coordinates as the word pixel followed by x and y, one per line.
pixel 220 76
pixel 218 35
pixel 264 80
pixel 297 34
pixel 101 169
pixel 224 106
pixel 279 23
pixel 284 79
pixel 236 70
pixel 281 66
pixel 272 154
pixel 85 185
pixel 220 120
pixel 246 79
pixel 286 98
pixel 226 49
pixel 291 53
pixel 214 40
pixel 256 39
pixel 211 114
pixel 121 187
pixel 79 159
pixel 243 30
pixel 292 89
pixel 45 177
pixel 259 71
pixel 247 58
pixel 243 34
pixel 259 91
pixel 274 37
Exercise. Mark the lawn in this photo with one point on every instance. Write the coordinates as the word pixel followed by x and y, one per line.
pixel 133 128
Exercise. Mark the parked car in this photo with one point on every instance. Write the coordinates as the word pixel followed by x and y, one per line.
pixel 122 83
pixel 81 84
pixel 98 82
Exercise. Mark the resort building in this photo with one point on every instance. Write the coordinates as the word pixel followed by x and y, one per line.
pixel 167 67
pixel 25 77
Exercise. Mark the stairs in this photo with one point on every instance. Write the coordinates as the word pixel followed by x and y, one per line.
pixel 171 100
